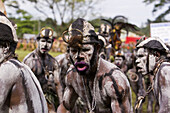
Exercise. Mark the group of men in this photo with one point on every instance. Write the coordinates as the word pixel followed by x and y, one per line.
pixel 39 84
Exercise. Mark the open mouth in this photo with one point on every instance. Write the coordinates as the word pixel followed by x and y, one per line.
pixel 81 66
pixel 118 64
pixel 44 49
pixel 139 69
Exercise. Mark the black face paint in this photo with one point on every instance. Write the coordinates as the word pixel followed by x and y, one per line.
pixel 147 63
pixel 92 66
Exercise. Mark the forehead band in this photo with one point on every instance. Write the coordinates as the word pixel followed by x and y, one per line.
pixel 67 39
pixel 42 35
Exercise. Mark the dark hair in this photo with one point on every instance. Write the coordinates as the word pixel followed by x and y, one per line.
pixel 155 51
pixel 12 45
pixel 6 33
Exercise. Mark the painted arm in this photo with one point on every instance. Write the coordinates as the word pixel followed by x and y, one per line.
pixel 120 94
pixel 163 89
pixel 7 81
pixel 110 91
pixel 58 85
pixel 29 62
pixel 69 98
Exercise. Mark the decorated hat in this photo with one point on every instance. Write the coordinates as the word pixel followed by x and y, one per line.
pixel 153 43
pixel 2 7
pixel 7 30
pixel 80 32
pixel 120 53
pixel 104 30
pixel 46 32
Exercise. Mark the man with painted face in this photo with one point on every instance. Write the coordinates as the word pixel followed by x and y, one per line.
pixel 20 91
pixel 151 59
pixel 99 83
pixel 119 60
pixel 45 68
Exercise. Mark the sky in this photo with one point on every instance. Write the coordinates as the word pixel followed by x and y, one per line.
pixel 136 11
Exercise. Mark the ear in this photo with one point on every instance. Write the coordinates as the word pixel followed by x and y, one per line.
pixel 158 54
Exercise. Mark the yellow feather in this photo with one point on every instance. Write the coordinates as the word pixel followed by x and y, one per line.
pixel 2 7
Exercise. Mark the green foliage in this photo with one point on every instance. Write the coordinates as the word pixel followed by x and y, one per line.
pixel 33 1
pixel 24 26
pixel 73 8
pixel 159 4
pixel 21 11
pixel 13 3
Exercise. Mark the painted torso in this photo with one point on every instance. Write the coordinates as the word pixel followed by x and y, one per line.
pixel 162 87
pixel 63 65
pixel 20 89
pixel 103 86
pixel 38 65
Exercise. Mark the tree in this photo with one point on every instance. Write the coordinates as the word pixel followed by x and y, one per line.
pixel 159 4
pixel 24 23
pixel 61 11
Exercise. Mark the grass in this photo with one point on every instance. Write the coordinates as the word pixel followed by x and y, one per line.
pixel 22 53
pixel 144 107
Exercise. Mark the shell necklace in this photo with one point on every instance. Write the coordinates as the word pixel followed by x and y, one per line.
pixel 92 106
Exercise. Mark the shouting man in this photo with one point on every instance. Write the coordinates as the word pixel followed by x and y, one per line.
pixel 45 67
pixel 99 83
pixel 20 91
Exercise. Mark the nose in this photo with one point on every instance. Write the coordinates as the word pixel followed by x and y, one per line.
pixel 45 43
pixel 80 56
pixel 137 61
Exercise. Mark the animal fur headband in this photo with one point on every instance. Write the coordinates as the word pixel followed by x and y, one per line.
pixel 46 32
pixel 153 43
pixel 7 30
pixel 80 32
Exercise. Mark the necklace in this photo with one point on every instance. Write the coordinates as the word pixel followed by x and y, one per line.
pixel 157 66
pixel 92 106
pixel 45 68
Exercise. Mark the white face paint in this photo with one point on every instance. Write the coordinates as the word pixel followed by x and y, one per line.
pixel 118 61
pixel 3 52
pixel 44 45
pixel 152 62
pixel 82 56
pixel 141 60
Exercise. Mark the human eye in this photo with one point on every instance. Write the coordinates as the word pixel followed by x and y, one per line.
pixel 86 49
pixel 49 41
pixel 140 56
pixel 73 50
pixel 43 40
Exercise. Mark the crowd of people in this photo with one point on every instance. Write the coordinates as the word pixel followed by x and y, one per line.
pixel 30 44
pixel 93 75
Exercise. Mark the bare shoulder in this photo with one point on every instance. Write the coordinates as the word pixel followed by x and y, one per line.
pixel 60 57
pixel 114 80
pixel 165 67
pixel 10 70
pixel 164 71
pixel 111 70
pixel 28 57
